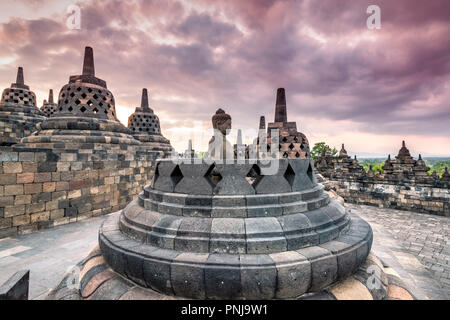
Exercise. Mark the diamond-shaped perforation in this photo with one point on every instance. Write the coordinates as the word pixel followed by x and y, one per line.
pixel 87 101
pixel 176 176
pixel 254 176
pixel 289 175
pixel 156 175
pixel 213 176
pixel 310 173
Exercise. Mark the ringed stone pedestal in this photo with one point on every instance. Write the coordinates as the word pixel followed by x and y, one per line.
pixel 267 237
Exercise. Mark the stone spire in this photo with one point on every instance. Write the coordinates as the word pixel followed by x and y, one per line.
pixel 49 107
pixel 88 65
pixel 280 107
pixel 343 152
pixel 190 152
pixel 50 96
pixel 20 82
pixel 144 101
pixel 239 137
pixel 262 123
pixel 404 151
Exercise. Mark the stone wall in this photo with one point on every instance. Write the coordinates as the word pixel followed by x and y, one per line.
pixel 41 188
pixel 405 196
pixel 404 184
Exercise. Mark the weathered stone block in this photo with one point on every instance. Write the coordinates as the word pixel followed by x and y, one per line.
pixel 35 207
pixel 6 179
pixel 41 216
pixel 157 272
pixel 49 186
pixel 324 266
pixel 21 220
pixel 27 177
pixel 12 167
pixel 29 167
pixel 294 274
pixel 9 156
pixel 56 214
pixel 228 236
pixel 14 211
pixel 223 277
pixel 43 177
pixel 5 223
pixel 26 156
pixel 258 276
pixel 33 188
pixel 15 189
pixel 188 280
pixel 6 201
pixel 62 186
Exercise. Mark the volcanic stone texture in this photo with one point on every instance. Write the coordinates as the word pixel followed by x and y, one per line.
pixel 266 236
pixel 41 188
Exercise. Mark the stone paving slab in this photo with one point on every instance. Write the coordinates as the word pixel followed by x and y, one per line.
pixel 48 253
pixel 416 245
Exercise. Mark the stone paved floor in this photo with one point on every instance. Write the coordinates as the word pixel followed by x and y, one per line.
pixel 415 245
pixel 48 254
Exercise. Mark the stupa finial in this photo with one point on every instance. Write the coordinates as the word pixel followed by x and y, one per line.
pixel 20 79
pixel 280 107
pixel 88 65
pixel 262 123
pixel 144 100
pixel 239 137
pixel 50 96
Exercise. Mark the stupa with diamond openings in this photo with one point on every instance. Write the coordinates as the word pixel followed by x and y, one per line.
pixel 145 127
pixel 18 112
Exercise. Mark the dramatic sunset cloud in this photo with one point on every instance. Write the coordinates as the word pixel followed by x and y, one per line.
pixel 345 83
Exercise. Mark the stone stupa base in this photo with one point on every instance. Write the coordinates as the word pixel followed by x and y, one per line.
pixel 97 281
pixel 17 122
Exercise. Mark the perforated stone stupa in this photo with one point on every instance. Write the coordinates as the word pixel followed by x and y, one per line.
pixel 145 127
pixel 18 112
pixel 85 114
pixel 292 144
pixel 252 230
pixel 49 107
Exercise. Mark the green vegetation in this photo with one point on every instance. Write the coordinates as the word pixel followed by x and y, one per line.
pixel 201 154
pixel 319 148
pixel 438 165
pixel 376 163
pixel 435 164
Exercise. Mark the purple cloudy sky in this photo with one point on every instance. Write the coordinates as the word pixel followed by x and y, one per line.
pixel 345 83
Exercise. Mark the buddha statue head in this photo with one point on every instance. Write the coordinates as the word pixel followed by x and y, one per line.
pixel 221 121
